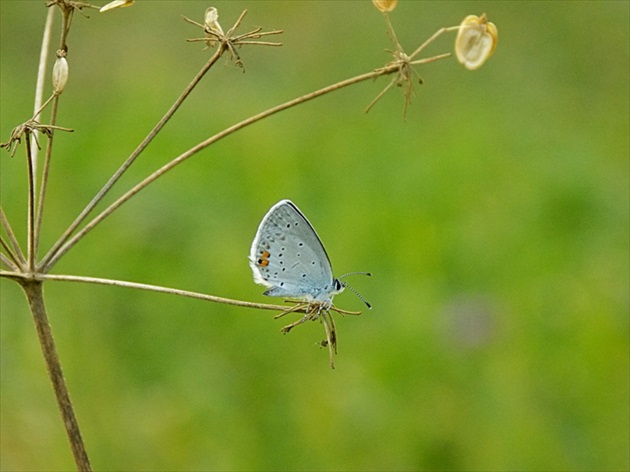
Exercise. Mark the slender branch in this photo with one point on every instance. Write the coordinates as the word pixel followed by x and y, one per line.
pixel 61 248
pixel 156 288
pixel 34 294
pixel 41 74
pixel 12 239
pixel 431 39
pixel 67 11
pixel 30 252
pixel 44 183
pixel 430 59
pixel 392 33
pixel 380 95
pixel 52 253
pixel 41 108
pixel 259 43
pixel 9 260
pixel 302 307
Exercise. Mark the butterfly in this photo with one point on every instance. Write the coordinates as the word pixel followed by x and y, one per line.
pixel 289 259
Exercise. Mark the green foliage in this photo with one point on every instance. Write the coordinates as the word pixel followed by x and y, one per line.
pixel 494 219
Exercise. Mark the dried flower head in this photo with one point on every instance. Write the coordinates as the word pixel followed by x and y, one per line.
pixel 385 5
pixel 116 4
pixel 476 40
pixel 60 73
pixel 229 41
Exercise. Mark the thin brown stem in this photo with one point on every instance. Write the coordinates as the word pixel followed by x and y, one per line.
pixel 66 19
pixel 44 183
pixel 22 278
pixel 30 226
pixel 431 39
pixel 236 24
pixel 430 59
pixel 380 95
pixel 156 288
pixel 53 252
pixel 41 74
pixel 34 294
pixel 9 260
pixel 18 254
pixel 259 43
pixel 392 33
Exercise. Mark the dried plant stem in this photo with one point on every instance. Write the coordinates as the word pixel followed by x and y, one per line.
pixel 30 252
pixel 34 294
pixel 302 307
pixel 16 254
pixel 431 39
pixel 430 59
pixel 9 260
pixel 44 183
pixel 53 253
pixel 156 288
pixel 67 11
pixel 41 73
pixel 65 244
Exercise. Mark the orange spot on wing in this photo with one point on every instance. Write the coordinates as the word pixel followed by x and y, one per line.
pixel 263 260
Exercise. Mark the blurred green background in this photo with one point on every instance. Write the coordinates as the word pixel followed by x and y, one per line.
pixel 494 219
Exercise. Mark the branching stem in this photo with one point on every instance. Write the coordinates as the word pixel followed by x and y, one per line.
pixel 66 243
pixel 53 253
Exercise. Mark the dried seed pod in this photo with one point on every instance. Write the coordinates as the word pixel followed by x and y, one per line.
pixel 476 41
pixel 385 5
pixel 60 73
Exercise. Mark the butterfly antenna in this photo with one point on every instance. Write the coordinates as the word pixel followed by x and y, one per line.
pixel 359 296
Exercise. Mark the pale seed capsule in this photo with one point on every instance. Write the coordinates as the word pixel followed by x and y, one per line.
pixel 476 41
pixel 60 74
pixel 385 5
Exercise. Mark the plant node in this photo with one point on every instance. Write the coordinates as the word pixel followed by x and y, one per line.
pixel 230 41
pixel 27 128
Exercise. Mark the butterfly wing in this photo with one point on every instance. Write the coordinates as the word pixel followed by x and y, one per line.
pixel 288 257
